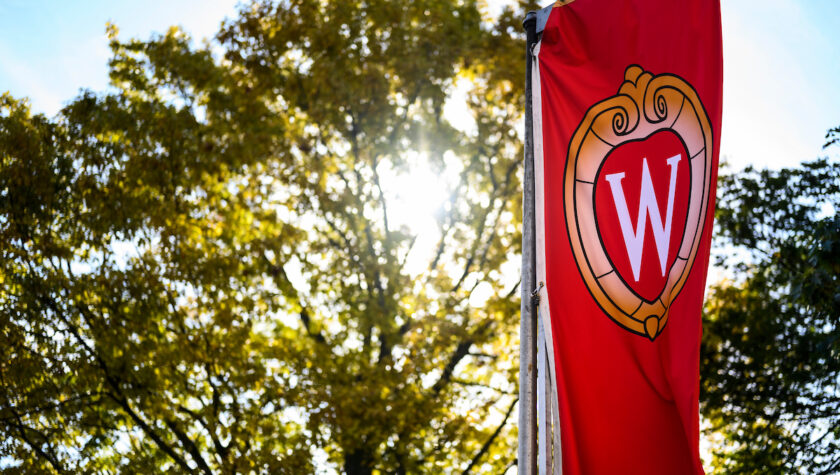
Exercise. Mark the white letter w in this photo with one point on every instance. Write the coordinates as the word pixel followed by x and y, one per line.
pixel 634 239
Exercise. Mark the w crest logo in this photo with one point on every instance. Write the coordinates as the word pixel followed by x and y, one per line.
pixel 636 193
pixel 648 207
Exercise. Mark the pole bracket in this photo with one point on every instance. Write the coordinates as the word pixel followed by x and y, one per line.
pixel 535 295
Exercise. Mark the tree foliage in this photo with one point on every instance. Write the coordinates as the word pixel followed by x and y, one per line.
pixel 203 271
pixel 771 345
pixel 200 272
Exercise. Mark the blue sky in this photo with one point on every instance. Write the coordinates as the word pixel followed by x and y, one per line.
pixel 781 79
pixel 781 62
pixel 49 50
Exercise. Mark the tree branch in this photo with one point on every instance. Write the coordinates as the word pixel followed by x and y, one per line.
pixel 190 446
pixel 489 442
pixel 51 459
pixel 112 382
pixel 460 352
pixel 279 273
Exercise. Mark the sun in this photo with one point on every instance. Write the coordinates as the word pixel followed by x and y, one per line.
pixel 416 194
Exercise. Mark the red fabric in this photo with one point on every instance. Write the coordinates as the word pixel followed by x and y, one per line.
pixel 627 404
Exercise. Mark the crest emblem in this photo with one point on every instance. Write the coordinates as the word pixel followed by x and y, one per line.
pixel 636 194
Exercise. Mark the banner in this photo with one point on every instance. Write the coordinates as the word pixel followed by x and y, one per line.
pixel 627 112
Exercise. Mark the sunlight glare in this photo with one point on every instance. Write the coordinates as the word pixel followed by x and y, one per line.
pixel 415 197
pixel 457 110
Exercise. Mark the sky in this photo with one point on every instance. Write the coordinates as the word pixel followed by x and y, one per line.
pixel 781 62
pixel 50 50
pixel 781 68
pixel 781 86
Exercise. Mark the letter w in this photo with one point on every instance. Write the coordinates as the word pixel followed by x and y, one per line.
pixel 634 239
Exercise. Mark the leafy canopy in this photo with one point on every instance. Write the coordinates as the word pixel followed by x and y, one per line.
pixel 771 343
pixel 202 269
pixel 200 272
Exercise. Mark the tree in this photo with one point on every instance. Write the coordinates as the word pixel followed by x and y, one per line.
pixel 771 344
pixel 200 272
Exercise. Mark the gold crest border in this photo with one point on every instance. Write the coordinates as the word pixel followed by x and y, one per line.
pixel 644 104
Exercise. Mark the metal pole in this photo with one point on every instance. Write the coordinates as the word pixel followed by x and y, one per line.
pixel 543 402
pixel 527 463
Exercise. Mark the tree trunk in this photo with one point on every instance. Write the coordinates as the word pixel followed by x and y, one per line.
pixel 358 462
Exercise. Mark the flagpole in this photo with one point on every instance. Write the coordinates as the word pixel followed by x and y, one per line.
pixel 527 461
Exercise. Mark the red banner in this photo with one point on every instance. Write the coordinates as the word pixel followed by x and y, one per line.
pixel 627 113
